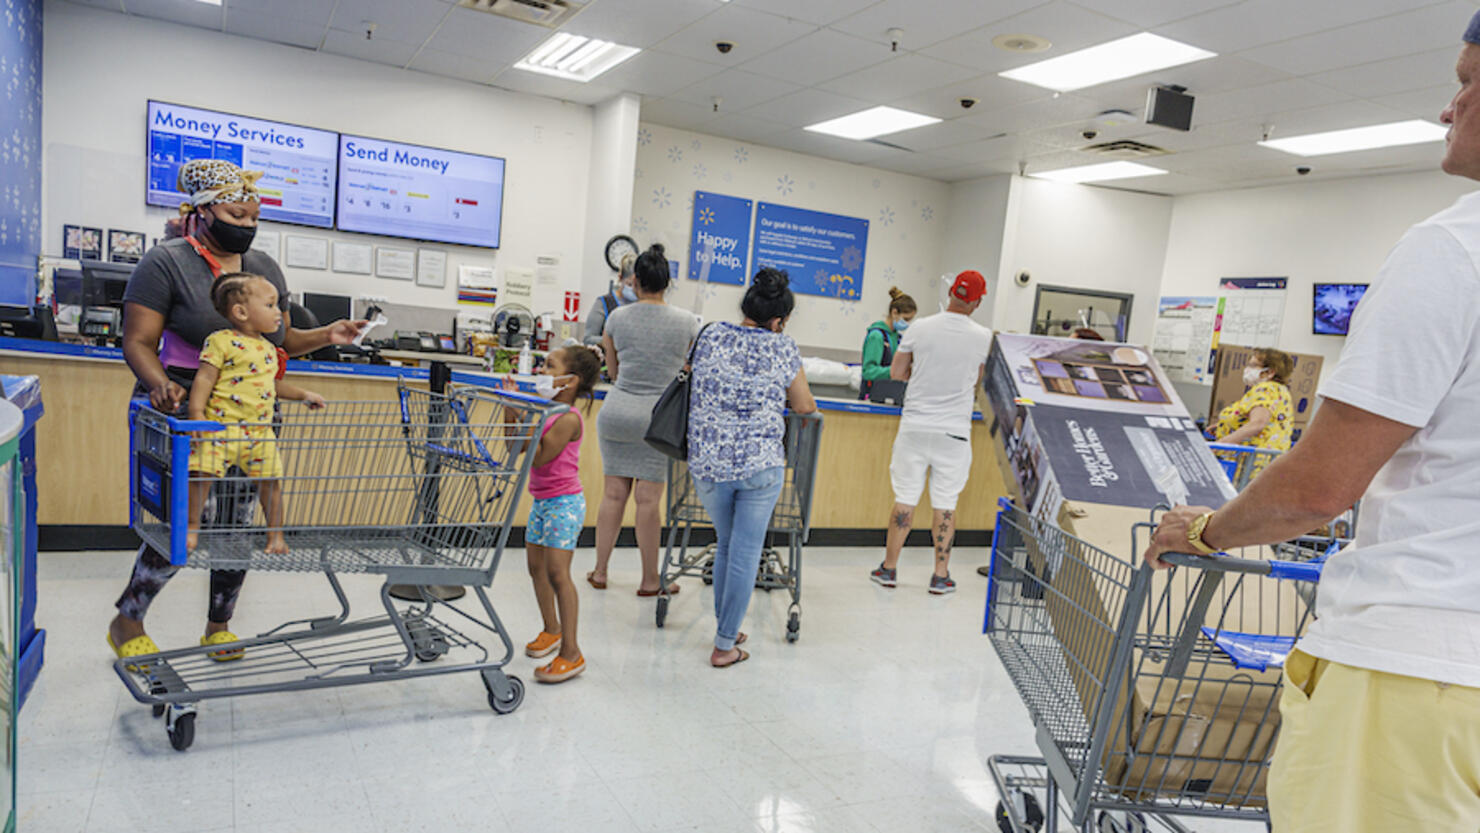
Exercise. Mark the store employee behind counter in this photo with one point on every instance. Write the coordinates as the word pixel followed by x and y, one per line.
pixel 879 344
pixel 625 292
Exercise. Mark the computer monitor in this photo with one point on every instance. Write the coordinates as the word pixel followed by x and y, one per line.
pixel 328 308
pixel 103 284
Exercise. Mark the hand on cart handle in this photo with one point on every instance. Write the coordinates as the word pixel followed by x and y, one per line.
pixel 313 401
pixel 1171 534
pixel 166 398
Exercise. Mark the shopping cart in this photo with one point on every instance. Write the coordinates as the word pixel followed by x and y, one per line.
pixel 1154 695
pixel 419 489
pixel 1242 462
pixel 791 522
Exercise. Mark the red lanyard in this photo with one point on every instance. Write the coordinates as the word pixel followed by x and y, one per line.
pixel 210 259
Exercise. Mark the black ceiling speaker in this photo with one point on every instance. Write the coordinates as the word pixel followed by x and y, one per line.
pixel 1169 106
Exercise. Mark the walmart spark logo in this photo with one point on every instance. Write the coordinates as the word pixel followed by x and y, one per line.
pixel 706 216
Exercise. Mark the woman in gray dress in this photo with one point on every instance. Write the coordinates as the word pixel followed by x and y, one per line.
pixel 646 345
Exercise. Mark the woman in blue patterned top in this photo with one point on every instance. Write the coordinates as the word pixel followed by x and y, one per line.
pixel 743 376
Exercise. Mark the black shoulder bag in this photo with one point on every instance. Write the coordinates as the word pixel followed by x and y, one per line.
pixel 668 432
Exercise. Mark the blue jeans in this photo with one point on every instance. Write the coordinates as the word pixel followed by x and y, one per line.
pixel 741 513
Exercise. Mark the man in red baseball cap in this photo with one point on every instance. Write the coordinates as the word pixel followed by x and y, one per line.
pixel 943 358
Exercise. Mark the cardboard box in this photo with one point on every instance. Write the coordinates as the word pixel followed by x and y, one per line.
pixel 1228 382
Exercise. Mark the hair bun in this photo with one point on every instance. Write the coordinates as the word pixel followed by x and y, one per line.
pixel 772 283
pixel 895 293
pixel 657 249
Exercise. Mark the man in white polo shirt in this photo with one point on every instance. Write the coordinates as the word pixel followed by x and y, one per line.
pixel 1381 700
pixel 942 357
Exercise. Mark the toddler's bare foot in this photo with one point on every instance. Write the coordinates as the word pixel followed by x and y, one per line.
pixel 192 539
pixel 276 544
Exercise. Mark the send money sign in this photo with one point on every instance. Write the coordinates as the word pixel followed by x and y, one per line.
pixel 721 238
pixel 822 252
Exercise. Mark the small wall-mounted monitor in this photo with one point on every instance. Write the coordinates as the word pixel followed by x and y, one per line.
pixel 1333 305
pixel 327 308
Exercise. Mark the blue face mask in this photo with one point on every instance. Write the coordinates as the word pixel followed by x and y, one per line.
pixel 900 325
pixel 628 294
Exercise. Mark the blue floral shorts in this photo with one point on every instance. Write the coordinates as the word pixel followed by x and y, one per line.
pixel 556 522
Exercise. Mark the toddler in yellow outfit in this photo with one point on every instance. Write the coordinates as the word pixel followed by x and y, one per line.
pixel 237 385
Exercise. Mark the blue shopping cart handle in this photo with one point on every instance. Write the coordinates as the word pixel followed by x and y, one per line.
pixel 175 423
pixel 1292 570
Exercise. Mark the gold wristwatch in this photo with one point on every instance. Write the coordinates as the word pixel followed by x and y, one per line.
pixel 1195 535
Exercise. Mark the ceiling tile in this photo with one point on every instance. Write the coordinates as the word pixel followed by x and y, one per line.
pixel 989 92
pixel 736 89
pixel 1425 103
pixel 927 22
pixel 1000 147
pixel 1395 75
pixel 914 164
pixel 745 127
pixel 1203 78
pixel 932 136
pixel 190 14
pixel 752 32
pixel 807 107
pixel 1254 102
pixel 1374 40
pixel 486 36
pixel 548 86
pixel 674 113
pixel 1037 114
pixel 1148 13
pixel 110 5
pixel 1066 25
pixel 456 66
pixel 828 147
pixel 1338 116
pixel 275 28
pixel 379 50
pixel 900 76
pixel 1258 22
pixel 657 74
pixel 638 24
pixel 820 56
pixel 975 170
pixel 406 21
pixel 308 11
pixel 821 12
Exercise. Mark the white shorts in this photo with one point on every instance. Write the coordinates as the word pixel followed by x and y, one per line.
pixel 945 458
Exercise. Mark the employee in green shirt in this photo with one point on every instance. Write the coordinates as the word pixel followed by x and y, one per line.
pixel 882 340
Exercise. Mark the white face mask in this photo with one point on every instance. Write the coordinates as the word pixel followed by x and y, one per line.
pixel 545 387
pixel 1252 376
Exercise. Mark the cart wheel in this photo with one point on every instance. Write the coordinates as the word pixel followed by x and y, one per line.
pixel 159 710
pixel 1033 813
pixel 1106 822
pixel 182 734
pixel 434 648
pixel 662 613
pixel 793 627
pixel 516 696
pixel 157 689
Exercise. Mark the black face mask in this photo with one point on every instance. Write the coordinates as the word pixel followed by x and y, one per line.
pixel 234 239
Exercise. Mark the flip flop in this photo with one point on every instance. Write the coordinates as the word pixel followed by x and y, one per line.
pixel 743 657
pixel 137 647
pixel 740 640
pixel 672 591
pixel 223 638
pixel 599 585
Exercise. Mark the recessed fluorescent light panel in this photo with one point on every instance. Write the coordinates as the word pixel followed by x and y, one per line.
pixel 1124 58
pixel 1100 173
pixel 211 2
pixel 1395 134
pixel 867 124
pixel 574 57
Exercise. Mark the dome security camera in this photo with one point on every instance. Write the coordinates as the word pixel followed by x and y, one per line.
pixel 724 46
pixel 1303 170
pixel 1023 278
pixel 1089 133
pixel 967 103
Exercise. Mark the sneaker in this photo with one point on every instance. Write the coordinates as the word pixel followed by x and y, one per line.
pixel 560 670
pixel 543 645
pixel 883 576
pixel 941 585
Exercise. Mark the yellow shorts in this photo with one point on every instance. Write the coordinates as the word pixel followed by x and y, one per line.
pixel 1362 750
pixel 252 448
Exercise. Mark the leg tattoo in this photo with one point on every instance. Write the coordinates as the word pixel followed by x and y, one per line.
pixel 901 520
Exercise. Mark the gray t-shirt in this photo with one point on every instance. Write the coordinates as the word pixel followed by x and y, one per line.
pixel 175 281
pixel 652 342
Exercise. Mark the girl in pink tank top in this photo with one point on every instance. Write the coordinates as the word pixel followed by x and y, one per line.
pixel 558 513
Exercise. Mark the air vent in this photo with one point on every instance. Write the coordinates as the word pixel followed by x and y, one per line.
pixel 883 143
pixel 548 13
pixel 1125 149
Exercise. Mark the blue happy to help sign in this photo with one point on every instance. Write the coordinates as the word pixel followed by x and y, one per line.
pixel 720 238
pixel 823 253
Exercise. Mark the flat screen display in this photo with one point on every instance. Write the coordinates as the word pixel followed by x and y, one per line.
pixel 420 193
pixel 297 185
pixel 1331 313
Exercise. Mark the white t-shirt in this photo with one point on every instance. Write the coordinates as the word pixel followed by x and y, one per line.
pixel 948 352
pixel 1404 598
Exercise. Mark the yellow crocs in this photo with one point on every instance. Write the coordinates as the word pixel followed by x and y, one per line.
pixel 223 638
pixel 137 647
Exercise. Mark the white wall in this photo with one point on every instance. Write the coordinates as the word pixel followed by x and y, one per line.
pixel 609 211
pixel 101 68
pixel 975 224
pixel 1332 231
pixel 906 214
pixel 1083 237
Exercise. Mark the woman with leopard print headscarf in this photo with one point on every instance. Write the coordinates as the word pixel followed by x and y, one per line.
pixel 167 315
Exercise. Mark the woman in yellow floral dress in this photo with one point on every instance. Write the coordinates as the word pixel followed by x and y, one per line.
pixel 1265 416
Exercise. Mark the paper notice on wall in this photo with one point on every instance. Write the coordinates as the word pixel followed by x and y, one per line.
pixel 1183 343
pixel 431 267
pixel 547 270
pixel 519 287
pixel 353 258
pixel 267 242
pixel 1253 310
pixel 476 285
pixel 307 252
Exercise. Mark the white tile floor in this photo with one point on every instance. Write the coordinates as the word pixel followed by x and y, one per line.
pixel 879 718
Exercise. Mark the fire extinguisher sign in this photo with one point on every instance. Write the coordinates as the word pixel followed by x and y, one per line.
pixel 572 306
